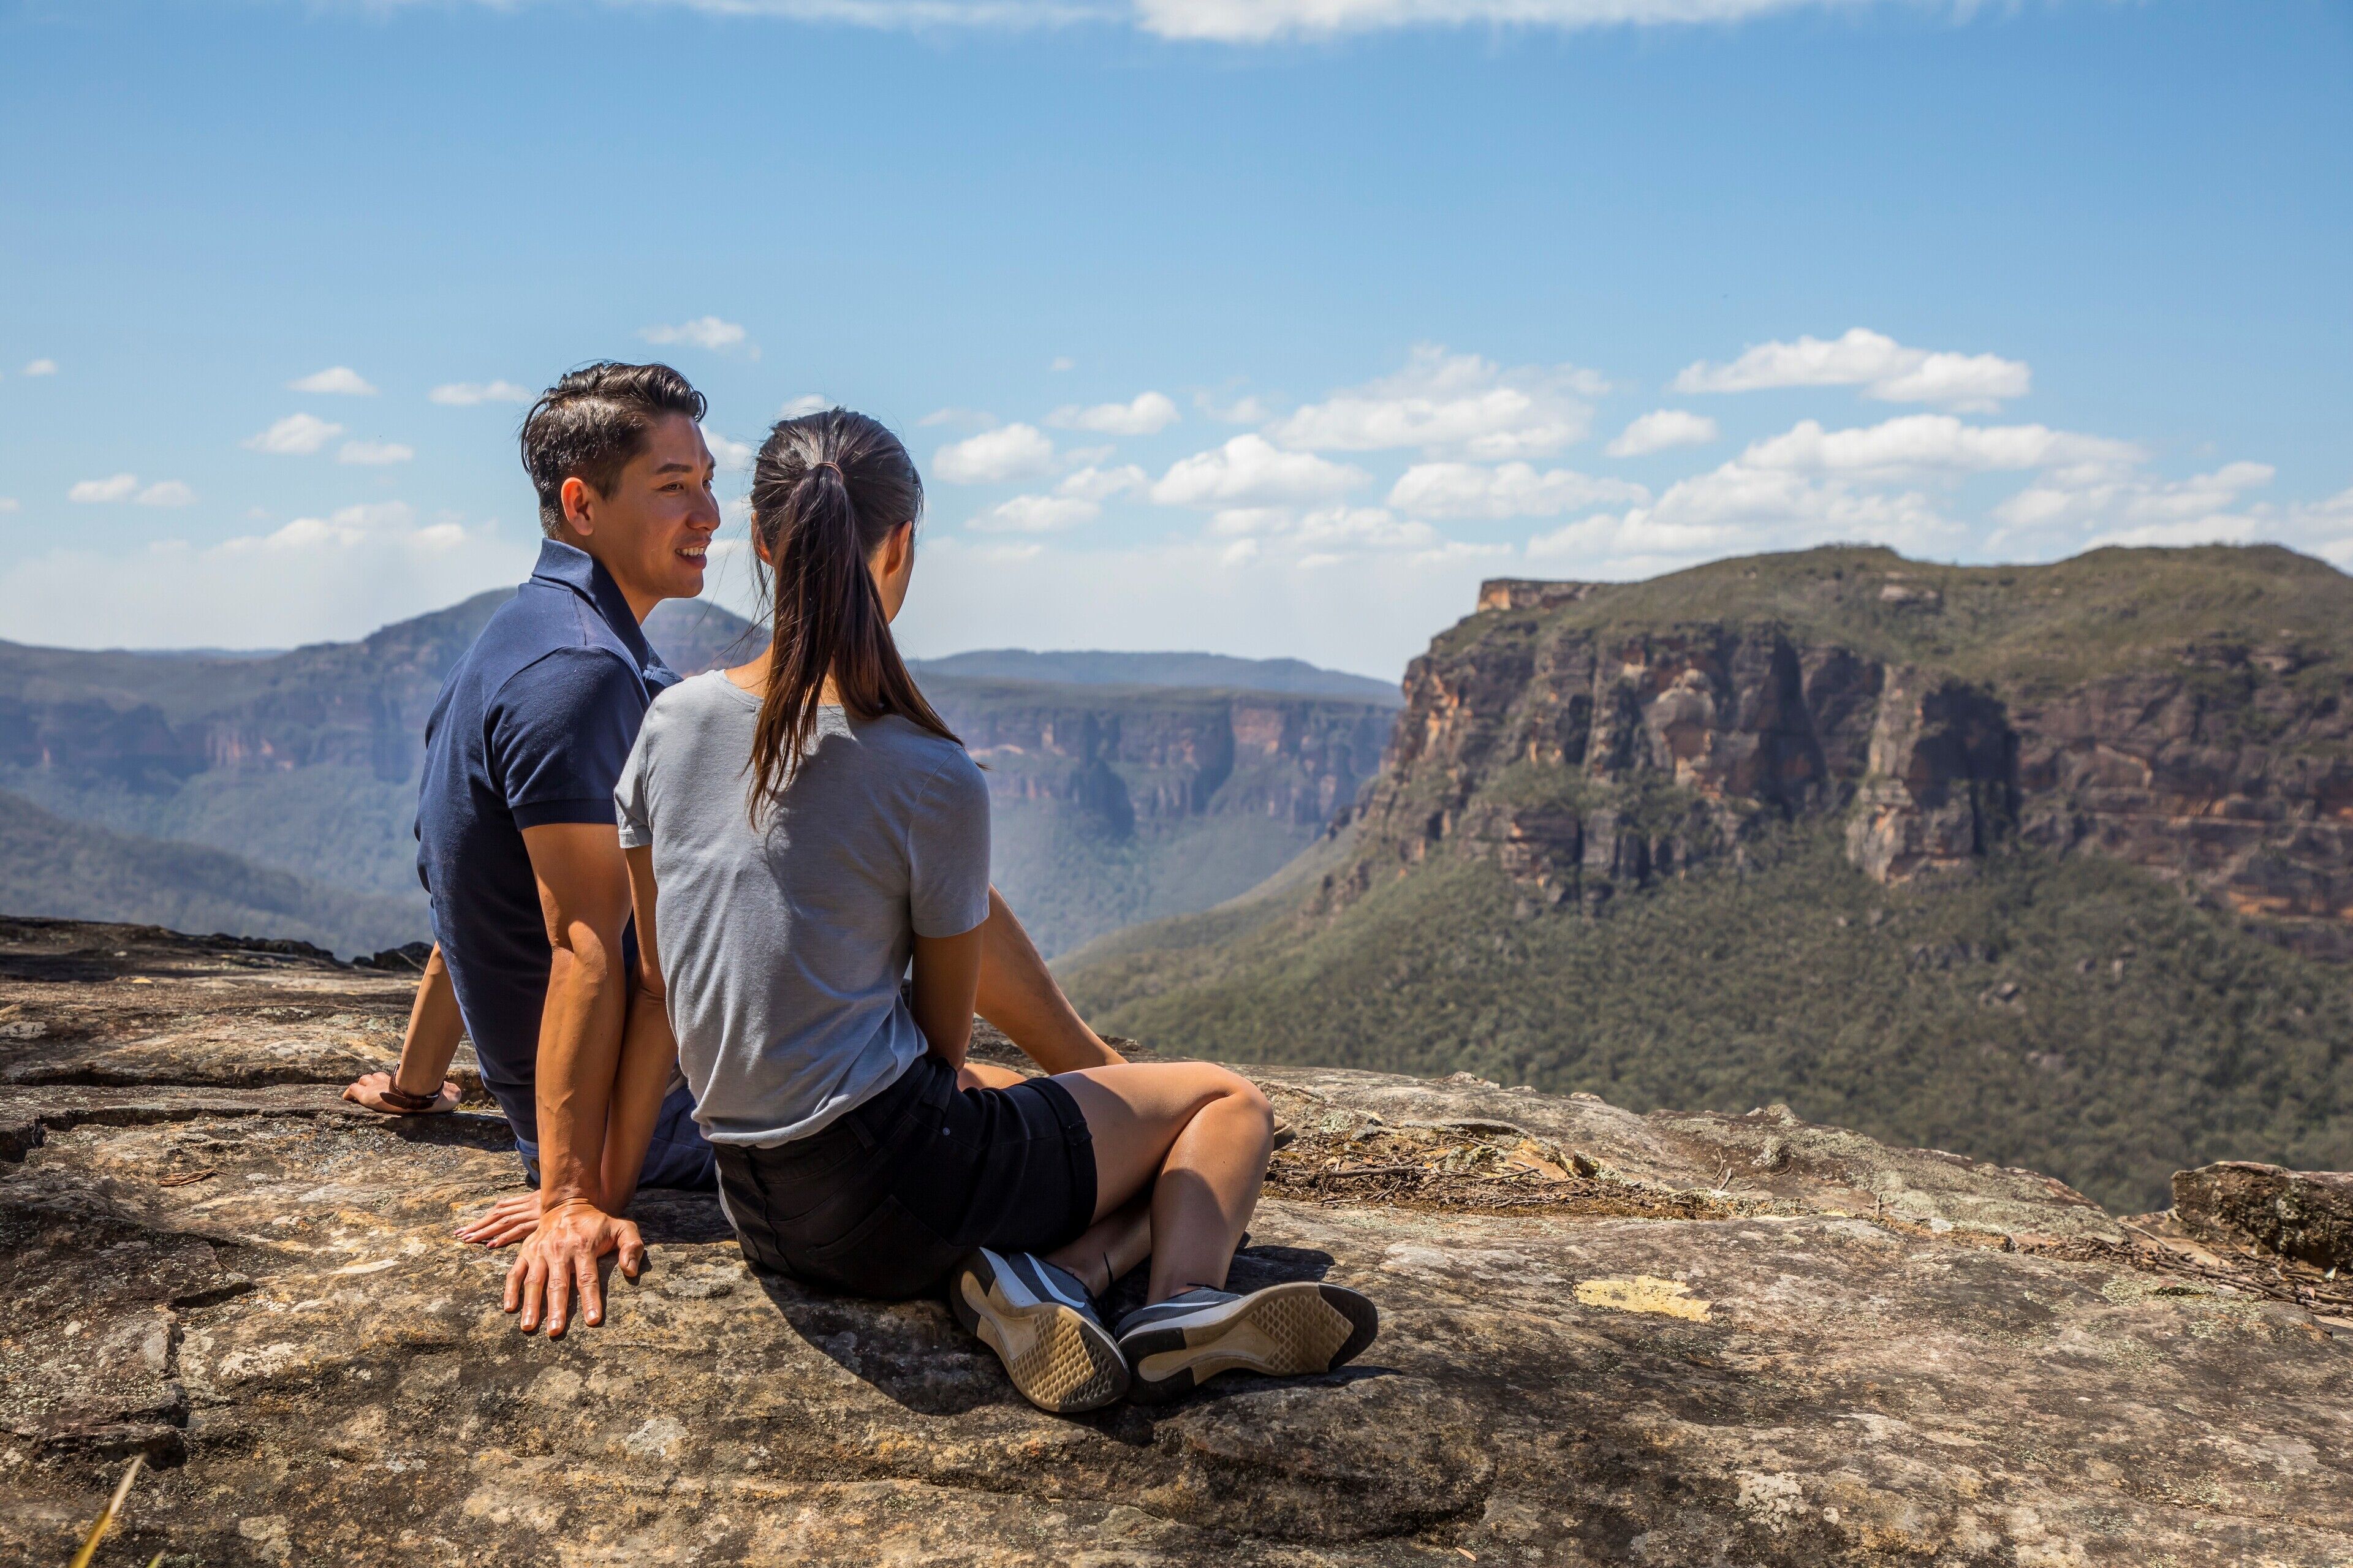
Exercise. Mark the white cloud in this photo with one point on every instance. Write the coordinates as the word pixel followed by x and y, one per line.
pixel 466 394
pixel 2110 507
pixel 1443 402
pixel 296 436
pixel 1266 21
pixel 1036 514
pixel 1150 412
pixel 1076 501
pixel 730 457
pixel 1250 470
pixel 994 456
pixel 341 380
pixel 1514 490
pixel 1883 367
pixel 1661 429
pixel 971 416
pixel 8 503
pixel 42 367
pixel 1063 363
pixel 1241 411
pixel 334 576
pixel 808 403
pixel 702 332
pixel 1932 441
pixel 126 487
pixel 374 453
pixel 121 487
pixel 165 492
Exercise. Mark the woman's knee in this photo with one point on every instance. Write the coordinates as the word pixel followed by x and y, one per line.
pixel 1246 1098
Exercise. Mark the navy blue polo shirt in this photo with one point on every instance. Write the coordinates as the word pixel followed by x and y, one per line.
pixel 531 728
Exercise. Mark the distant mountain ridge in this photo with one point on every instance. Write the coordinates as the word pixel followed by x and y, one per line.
pixel 1212 671
pixel 1114 803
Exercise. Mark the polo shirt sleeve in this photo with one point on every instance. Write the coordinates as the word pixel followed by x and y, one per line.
pixel 560 730
pixel 948 851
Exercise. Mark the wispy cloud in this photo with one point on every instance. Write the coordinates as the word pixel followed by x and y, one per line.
pixel 1250 470
pixel 1259 22
pixel 1450 402
pixel 1147 414
pixel 702 332
pixel 466 394
pixel 374 454
pixel 338 380
pixel 42 367
pixel 1660 430
pixel 994 456
pixel 296 436
pixel 1883 367
pixel 127 487
pixel 1076 501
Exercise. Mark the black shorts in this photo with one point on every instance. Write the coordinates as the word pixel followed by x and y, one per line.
pixel 886 1199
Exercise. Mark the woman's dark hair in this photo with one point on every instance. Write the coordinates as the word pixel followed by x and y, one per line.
pixel 827 491
pixel 589 425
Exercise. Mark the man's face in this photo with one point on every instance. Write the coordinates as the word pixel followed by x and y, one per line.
pixel 652 532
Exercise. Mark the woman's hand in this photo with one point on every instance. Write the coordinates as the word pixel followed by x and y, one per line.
pixel 510 1219
pixel 369 1088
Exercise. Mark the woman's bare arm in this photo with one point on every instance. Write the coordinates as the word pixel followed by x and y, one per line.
pixel 434 1031
pixel 649 1050
pixel 947 978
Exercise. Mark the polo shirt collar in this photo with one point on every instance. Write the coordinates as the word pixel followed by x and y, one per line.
pixel 574 568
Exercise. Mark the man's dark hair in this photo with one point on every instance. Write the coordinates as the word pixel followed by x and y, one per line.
pixel 589 425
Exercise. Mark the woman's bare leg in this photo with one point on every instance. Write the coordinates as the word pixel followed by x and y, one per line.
pixel 1197 1138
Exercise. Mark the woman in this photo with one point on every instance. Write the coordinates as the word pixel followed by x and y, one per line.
pixel 797 829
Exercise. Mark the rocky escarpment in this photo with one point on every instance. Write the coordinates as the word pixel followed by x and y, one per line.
pixel 1607 1339
pixel 1127 756
pixel 1591 738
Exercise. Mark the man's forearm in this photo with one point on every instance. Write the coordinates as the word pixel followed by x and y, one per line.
pixel 579 1048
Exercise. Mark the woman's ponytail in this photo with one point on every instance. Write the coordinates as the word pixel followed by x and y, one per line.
pixel 827 490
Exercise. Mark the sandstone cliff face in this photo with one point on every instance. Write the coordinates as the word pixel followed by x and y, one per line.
pixel 1606 1339
pixel 1146 757
pixel 1586 757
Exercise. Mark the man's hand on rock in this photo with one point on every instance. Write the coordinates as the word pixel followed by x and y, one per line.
pixel 510 1219
pixel 561 1258
pixel 378 1092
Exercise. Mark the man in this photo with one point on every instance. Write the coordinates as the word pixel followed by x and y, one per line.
pixel 523 864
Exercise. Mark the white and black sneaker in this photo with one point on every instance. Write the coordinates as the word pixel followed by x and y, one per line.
pixel 1295 1328
pixel 1042 1325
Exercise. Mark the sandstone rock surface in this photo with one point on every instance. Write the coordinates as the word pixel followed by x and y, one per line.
pixel 2304 1214
pixel 1607 1339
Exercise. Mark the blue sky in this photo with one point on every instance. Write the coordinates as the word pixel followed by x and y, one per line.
pixel 1265 326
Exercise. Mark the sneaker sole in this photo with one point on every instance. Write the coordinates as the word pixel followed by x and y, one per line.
pixel 1059 1361
pixel 1292 1329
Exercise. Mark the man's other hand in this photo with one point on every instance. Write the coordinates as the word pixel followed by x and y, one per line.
pixel 561 1258
pixel 369 1090
pixel 510 1219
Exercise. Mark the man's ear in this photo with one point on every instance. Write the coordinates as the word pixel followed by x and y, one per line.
pixel 579 498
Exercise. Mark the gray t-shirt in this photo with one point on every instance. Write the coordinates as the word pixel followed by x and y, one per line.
pixel 783 945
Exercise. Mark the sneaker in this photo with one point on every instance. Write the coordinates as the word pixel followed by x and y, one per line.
pixel 1299 1328
pixel 1042 1325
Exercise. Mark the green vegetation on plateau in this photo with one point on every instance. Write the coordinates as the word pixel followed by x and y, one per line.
pixel 2142 1036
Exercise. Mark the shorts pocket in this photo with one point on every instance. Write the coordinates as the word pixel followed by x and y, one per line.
pixel 890 1254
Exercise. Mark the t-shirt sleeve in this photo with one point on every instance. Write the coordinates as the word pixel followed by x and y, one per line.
pixel 632 807
pixel 560 730
pixel 948 851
